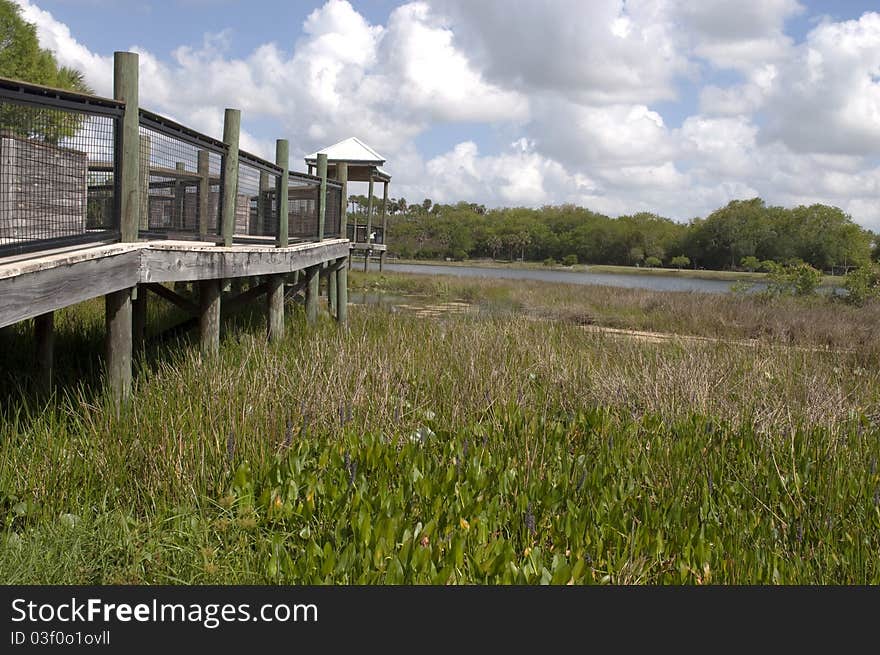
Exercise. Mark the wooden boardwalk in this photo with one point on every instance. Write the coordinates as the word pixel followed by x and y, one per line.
pixel 283 247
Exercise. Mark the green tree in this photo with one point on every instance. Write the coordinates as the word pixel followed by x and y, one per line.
pixel 22 58
pixel 750 263
pixel 680 261
pixel 652 261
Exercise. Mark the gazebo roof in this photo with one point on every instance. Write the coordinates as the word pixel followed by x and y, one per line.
pixel 351 150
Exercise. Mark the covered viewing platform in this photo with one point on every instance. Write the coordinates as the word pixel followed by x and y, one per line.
pixel 352 160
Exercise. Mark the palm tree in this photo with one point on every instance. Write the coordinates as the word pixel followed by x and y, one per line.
pixel 70 78
pixel 495 244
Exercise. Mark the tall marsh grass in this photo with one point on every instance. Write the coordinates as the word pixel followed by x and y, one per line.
pixel 405 450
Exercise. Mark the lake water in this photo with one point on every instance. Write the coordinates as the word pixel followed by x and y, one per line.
pixel 636 281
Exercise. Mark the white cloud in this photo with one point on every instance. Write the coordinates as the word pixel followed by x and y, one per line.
pixel 738 34
pixel 603 52
pixel 828 97
pixel 574 85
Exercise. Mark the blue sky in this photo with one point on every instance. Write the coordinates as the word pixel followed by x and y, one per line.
pixel 659 105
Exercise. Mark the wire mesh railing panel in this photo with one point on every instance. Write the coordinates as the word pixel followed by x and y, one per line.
pixel 333 212
pixel 302 194
pixel 377 232
pixel 256 203
pixel 181 186
pixel 57 176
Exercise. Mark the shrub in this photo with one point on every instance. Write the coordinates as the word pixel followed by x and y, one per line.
pixel 569 260
pixel 652 261
pixel 862 284
pixel 793 279
pixel 549 262
pixel 750 263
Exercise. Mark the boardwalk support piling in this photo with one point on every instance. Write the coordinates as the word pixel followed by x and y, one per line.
pixel 139 315
pixel 313 277
pixel 44 335
pixel 209 316
pixel 275 307
pixel 367 238
pixel 331 288
pixel 342 294
pixel 118 322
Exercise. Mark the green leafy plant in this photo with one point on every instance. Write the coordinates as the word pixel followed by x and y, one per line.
pixel 863 284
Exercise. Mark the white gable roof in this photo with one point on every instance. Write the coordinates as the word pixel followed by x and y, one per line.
pixel 351 149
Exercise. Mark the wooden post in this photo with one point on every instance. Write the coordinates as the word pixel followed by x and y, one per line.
pixel 204 193
pixel 369 225
pixel 125 88
pixel 145 154
pixel 139 315
pixel 275 307
pixel 44 335
pixel 180 198
pixel 342 295
pixel 209 316
pixel 312 275
pixel 342 176
pixel 282 159
pixel 322 191
pixel 331 289
pixel 231 131
pixel 117 307
pixel 384 226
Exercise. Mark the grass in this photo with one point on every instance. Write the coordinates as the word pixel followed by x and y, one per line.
pixel 505 447
pixel 813 322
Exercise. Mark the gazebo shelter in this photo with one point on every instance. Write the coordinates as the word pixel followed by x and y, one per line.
pixel 352 160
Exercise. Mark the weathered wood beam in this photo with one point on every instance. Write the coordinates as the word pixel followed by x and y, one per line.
pixel 139 315
pixel 236 303
pixel 125 88
pixel 384 225
pixel 118 343
pixel 231 131
pixel 275 307
pixel 342 176
pixel 342 293
pixel 209 317
pixel 313 280
pixel 172 265
pixel 322 194
pixel 44 336
pixel 30 294
pixel 331 290
pixel 35 287
pixel 292 290
pixel 162 291
pixel 282 159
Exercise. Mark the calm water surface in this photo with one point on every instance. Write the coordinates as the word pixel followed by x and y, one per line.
pixel 655 282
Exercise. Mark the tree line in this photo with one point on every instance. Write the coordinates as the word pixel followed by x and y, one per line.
pixel 742 234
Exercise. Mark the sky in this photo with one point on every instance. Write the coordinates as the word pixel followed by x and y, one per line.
pixel 669 106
